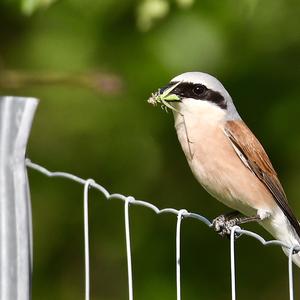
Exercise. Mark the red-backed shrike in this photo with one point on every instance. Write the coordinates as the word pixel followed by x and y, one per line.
pixel 226 158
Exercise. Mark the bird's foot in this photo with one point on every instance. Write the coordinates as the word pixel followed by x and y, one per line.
pixel 223 224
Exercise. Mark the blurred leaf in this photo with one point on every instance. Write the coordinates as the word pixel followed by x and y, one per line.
pixel 30 6
pixel 150 11
pixel 200 46
pixel 185 3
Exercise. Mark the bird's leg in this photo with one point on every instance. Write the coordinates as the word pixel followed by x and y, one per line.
pixel 223 224
pixel 244 219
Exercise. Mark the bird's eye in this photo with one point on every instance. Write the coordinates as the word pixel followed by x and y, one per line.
pixel 199 89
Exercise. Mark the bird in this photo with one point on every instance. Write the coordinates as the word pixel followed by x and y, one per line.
pixel 226 158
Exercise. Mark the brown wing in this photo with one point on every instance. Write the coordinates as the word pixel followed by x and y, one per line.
pixel 253 155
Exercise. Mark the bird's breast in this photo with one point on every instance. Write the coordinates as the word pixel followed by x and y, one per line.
pixel 216 166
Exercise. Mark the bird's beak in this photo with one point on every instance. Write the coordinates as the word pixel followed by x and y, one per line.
pixel 164 95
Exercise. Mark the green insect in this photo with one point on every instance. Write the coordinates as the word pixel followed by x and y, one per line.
pixel 165 97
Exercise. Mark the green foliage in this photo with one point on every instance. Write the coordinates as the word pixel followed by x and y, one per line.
pixel 94 64
pixel 30 6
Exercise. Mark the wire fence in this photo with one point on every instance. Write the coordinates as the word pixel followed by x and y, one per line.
pixel 16 115
pixel 236 232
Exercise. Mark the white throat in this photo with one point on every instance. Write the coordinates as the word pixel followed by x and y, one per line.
pixel 195 114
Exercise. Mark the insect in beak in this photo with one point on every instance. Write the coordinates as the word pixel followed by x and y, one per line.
pixel 165 97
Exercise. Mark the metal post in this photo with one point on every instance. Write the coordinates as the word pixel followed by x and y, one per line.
pixel 16 115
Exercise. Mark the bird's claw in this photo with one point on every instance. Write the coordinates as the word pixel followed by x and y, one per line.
pixel 223 225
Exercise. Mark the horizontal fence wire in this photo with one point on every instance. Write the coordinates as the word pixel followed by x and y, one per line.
pixel 236 232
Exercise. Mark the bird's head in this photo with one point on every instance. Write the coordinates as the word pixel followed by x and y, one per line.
pixel 192 91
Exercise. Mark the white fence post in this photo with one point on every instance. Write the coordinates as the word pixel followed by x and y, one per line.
pixel 16 115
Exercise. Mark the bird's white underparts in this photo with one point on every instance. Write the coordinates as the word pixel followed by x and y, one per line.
pixel 225 156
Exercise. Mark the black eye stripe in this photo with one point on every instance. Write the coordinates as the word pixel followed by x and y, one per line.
pixel 189 90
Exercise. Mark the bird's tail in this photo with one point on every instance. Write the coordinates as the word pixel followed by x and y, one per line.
pixel 279 226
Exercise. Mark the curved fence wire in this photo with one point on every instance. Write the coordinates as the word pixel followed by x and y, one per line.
pixel 181 215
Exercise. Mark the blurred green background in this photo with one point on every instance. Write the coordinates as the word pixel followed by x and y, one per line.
pixel 93 64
